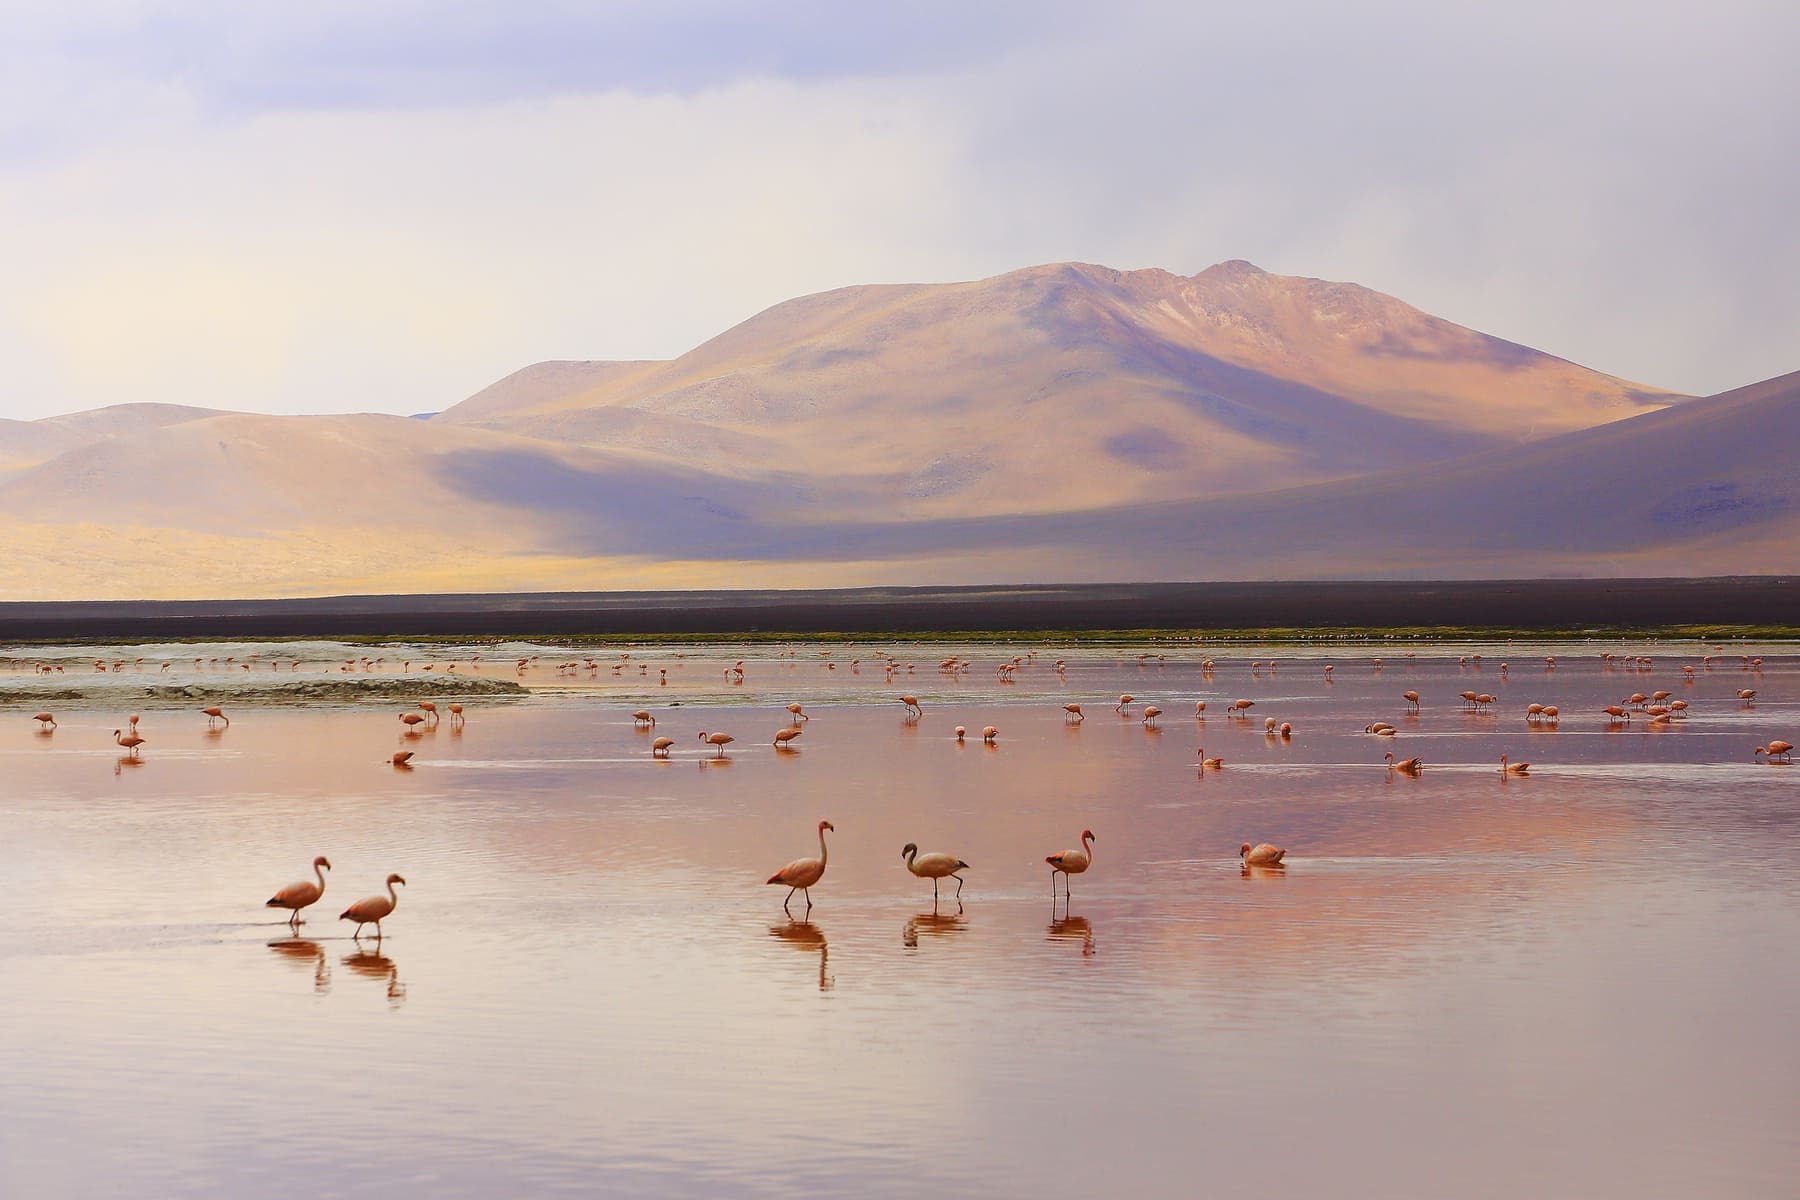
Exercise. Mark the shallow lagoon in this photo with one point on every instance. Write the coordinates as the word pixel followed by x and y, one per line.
pixel 1576 983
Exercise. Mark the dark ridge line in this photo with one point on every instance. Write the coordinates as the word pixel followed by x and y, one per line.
pixel 1530 604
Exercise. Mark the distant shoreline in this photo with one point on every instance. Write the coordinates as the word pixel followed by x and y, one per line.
pixel 1763 606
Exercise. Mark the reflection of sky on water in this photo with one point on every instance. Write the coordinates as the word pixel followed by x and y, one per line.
pixel 588 984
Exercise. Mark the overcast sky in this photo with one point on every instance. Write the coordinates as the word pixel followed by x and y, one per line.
pixel 337 206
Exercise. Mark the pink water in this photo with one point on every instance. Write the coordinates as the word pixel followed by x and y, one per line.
pixel 1578 983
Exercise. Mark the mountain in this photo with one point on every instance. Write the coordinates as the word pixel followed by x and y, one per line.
pixel 1062 423
pixel 1068 386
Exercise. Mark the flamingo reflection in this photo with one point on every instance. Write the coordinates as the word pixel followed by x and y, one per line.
pixel 372 964
pixel 1072 929
pixel 805 936
pixel 931 924
pixel 303 952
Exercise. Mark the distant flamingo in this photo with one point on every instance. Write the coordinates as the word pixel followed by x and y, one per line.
pixel 411 720
pixel 989 734
pixel 912 706
pixel 661 746
pixel 402 758
pixel 130 741
pixel 960 732
pixel 1209 764
pixel 1073 710
pixel 427 706
pixel 373 909
pixel 1120 707
pixel 1239 708
pixel 1200 710
pixel 1412 701
pixel 934 867
pixel 1071 862
pixel 1151 712
pixel 785 736
pixel 296 896
pixel 1261 855
pixel 1406 766
pixel 1777 750
pixel 1617 713
pixel 1507 768
pixel 802 873
pixel 212 715
pixel 717 740
pixel 46 721
pixel 799 714
pixel 642 717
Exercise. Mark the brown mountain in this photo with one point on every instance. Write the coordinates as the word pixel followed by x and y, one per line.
pixel 1058 423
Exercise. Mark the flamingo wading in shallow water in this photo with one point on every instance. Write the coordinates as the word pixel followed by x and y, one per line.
pixel 1071 862
pixel 296 896
pixel 802 873
pixel 373 909
pixel 717 741
pixel 934 867
pixel 1261 855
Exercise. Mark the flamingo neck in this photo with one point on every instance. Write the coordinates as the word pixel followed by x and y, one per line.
pixel 319 874
pixel 822 851
pixel 393 899
pixel 1087 845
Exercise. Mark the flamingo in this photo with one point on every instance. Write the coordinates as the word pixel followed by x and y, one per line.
pixel 1200 710
pixel 934 867
pixel 799 715
pixel 1261 855
pixel 402 758
pixel 1287 729
pixel 1777 749
pixel 373 909
pixel 212 714
pixel 1406 766
pixel 1617 713
pixel 1209 764
pixel 1747 695
pixel 785 736
pixel 456 715
pixel 1507 768
pixel 989 734
pixel 46 721
pixel 130 741
pixel 912 706
pixel 717 740
pixel 802 873
pixel 1412 701
pixel 411 721
pixel 1239 707
pixel 296 896
pixel 1071 862
pixel 1073 710
pixel 1151 712
pixel 960 732
pixel 642 717
pixel 661 746
pixel 428 707
pixel 1120 706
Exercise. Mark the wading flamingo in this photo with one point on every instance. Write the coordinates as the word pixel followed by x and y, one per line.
pixel 912 706
pixel 212 715
pixel 1209 764
pixel 373 909
pixel 934 867
pixel 799 714
pixel 1406 766
pixel 1261 855
pixel 1071 862
pixel 412 721
pixel 46 722
pixel 1777 749
pixel 1073 710
pixel 456 714
pixel 1412 701
pixel 661 746
pixel 402 758
pixel 428 707
pixel 1120 707
pixel 717 740
pixel 130 741
pixel 296 896
pixel 802 873
pixel 1513 768
pixel 990 734
pixel 784 736
pixel 643 718
pixel 1151 712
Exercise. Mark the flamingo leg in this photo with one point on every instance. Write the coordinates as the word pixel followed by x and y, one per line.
pixel 784 902
pixel 934 892
pixel 807 892
pixel 959 883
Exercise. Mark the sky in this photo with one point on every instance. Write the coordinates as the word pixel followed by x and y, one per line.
pixel 344 207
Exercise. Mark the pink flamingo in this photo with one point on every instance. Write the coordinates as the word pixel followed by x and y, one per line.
pixel 802 873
